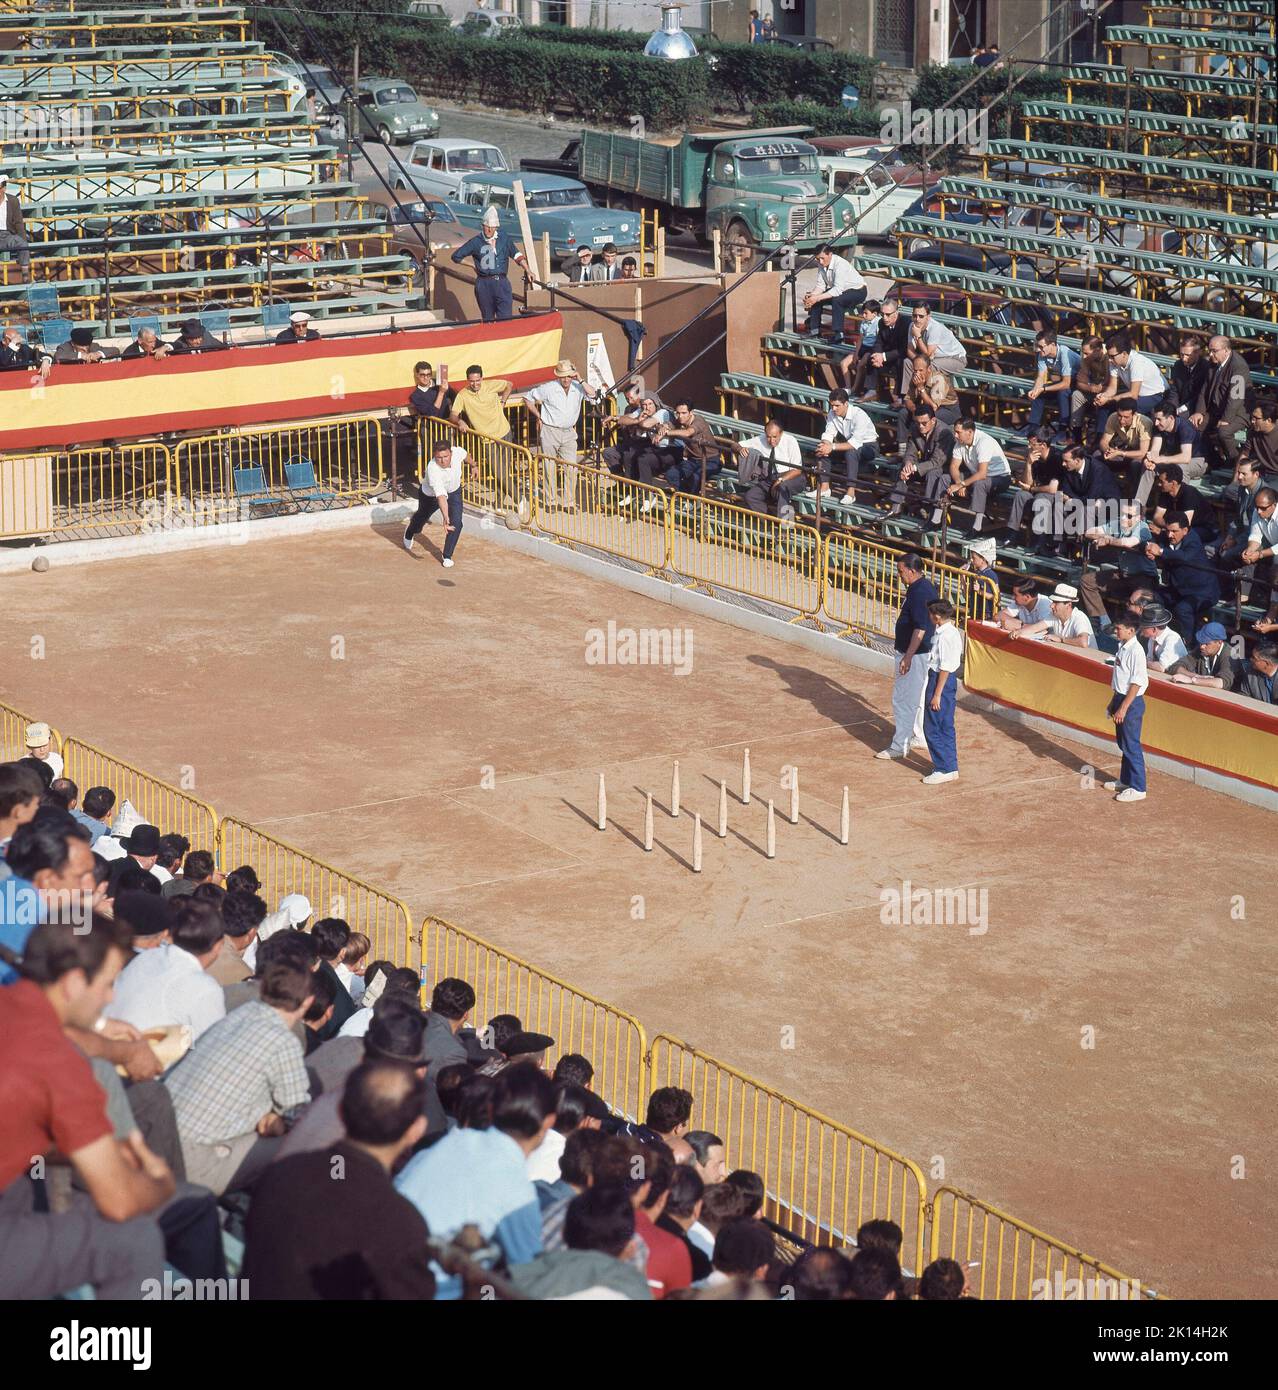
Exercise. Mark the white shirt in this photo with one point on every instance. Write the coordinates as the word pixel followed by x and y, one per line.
pixel 788 454
pixel 109 847
pixel 1166 649
pixel 947 648
pixel 559 408
pixel 1078 624
pixel 983 450
pixel 1264 533
pixel 443 481
pixel 855 427
pixel 51 760
pixel 840 276
pixel 4 208
pixel 162 874
pixel 1141 375
pixel 357 1025
pixel 167 985
pixel 1129 668
pixel 945 343
pixel 1040 612
pixel 543 1162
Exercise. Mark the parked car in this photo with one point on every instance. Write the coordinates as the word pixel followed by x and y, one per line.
pixel 561 207
pixel 423 228
pixel 875 197
pixel 807 42
pixel 438 166
pixel 566 165
pixel 488 24
pixel 321 83
pixel 393 112
pixel 429 9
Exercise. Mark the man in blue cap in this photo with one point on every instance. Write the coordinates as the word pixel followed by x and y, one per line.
pixel 1212 664
pixel 492 250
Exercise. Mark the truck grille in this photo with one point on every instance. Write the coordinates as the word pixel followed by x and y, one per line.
pixel 823 227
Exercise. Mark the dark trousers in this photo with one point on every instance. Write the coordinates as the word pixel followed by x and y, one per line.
pixel 1127 735
pixel 839 307
pixel 1186 609
pixel 846 464
pixel 1038 406
pixel 19 247
pixel 938 725
pixel 493 294
pixel 760 498
pixel 427 507
pixel 1220 443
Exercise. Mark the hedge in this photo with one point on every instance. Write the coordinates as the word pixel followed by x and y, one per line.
pixel 621 40
pixel 824 120
pixel 747 73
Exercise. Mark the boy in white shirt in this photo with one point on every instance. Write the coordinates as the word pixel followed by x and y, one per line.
pixel 943 664
pixel 1127 708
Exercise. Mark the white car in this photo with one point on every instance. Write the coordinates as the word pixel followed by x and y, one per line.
pixel 878 199
pixel 437 167
pixel 488 24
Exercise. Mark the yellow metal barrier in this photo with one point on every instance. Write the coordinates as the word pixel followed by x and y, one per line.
pixel 823 1180
pixel 1007 1259
pixel 284 869
pixel 169 808
pixel 628 519
pixel 13 733
pixel 864 592
pixel 82 493
pixel 722 546
pixel 612 1041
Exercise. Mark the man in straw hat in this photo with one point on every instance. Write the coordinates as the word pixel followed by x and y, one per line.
pixel 556 407
pixel 1067 624
pixel 491 250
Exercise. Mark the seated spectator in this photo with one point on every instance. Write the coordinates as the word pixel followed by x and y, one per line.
pixel 193 337
pixel 450 1004
pixel 83 349
pixel 943 1281
pixel 888 355
pixel 1132 376
pixel 299 330
pixel 17 355
pixel 819 1275
pixel 51 880
pixel 316 1019
pixel 1262 437
pixel 576 1174
pixel 1057 365
pixel 840 287
pixel 721 1203
pixel 292 948
pixel 1163 646
pixel 931 339
pixel 979 470
pixel 350 968
pixel 850 438
pixel 573 1068
pixel 390 981
pixel 1038 484
pixel 1124 445
pixel 1125 540
pixel 863 370
pixel 171 984
pixel 242 913
pixel 149 916
pixel 876 1276
pixel 39 745
pixel 1028 607
pixel 700 459
pixel 751 1187
pixel 570 1114
pixel 1256 680
pixel 1176 495
pixel 1211 663
pixel 479 1176
pixel 527 1047
pixel 237 1093
pixel 595 1260
pixel 1262 539
pixel 169 856
pixel 587 270
pixel 771 471
pixel 929 446
pixel 148 343
pixel 293 913
pixel 1086 487
pixel 629 268
pixel 743 1250
pixel 879 1234
pixel 108 1238
pixel 198 867
pixel 1174 440
pixel 667 1117
pixel 1091 377
pixel 1190 587
pixel 682 1212
pixel 1221 409
pixel 20 793
pixel 95 808
pixel 311 1238
pixel 243 879
pixel 332 936
pixel 669 1260
pixel 141 846
pixel 1067 625
pixel 709 1155
pixel 1188 374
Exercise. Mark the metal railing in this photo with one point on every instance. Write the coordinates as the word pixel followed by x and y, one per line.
pixel 610 1039
pixel 822 1179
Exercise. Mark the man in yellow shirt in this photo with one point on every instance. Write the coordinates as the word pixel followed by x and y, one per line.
pixel 482 405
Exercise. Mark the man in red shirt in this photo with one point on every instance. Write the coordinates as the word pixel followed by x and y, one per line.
pixel 669 1264
pixel 51 1103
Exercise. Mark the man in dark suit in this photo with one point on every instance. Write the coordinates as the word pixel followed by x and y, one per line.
pixel 17 355
pixel 195 338
pixel 586 271
pixel 1221 409
pixel 1190 587
pixel 13 230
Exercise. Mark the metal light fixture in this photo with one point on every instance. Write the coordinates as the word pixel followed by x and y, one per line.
pixel 670 41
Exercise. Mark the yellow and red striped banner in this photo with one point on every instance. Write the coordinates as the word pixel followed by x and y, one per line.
pixel 258 385
pixel 1223 733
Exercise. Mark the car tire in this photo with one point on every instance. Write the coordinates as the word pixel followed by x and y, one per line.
pixel 738 239
pixel 384 135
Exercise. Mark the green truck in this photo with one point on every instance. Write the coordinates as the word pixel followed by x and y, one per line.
pixel 760 188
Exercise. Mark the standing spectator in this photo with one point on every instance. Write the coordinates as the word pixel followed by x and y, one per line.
pixel 596 1258
pixel 237 1092
pixel 771 471
pixel 587 270
pixel 1056 367
pixel 193 338
pixel 171 984
pixel 849 435
pixel 1221 409
pixel 932 339
pixel 197 868
pixel 1190 587
pixel 491 250
pixel 108 1238
pixel 242 913
pixel 1132 376
pixel 913 644
pixel 929 446
pixel 39 741
pixel 370 1242
pixel 1067 624
pixel 450 1004
pixel 13 230
pixel 978 466
pixel 430 399
pixel 700 448
pixel 482 405
pixel 1188 375
pixel 1091 377
pixel 1164 648
pixel 148 343
pixel 891 350
pixel 1258 679
pixel 556 407
pixel 944 660
pixel 756 27
pixel 840 286
pixel 442 493
pixel 168 859
pixel 609 269
pixel 1127 709
pixel 479 1177
pixel 1211 665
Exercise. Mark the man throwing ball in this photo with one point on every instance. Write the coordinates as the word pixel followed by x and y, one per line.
pixel 442 492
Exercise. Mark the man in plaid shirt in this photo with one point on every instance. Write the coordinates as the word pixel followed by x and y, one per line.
pixel 236 1093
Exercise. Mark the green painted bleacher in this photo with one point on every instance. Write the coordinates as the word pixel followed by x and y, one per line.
pixel 1163 81
pixel 1228 42
pixel 1239 134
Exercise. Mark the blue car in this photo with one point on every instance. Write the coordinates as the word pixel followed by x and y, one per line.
pixel 557 206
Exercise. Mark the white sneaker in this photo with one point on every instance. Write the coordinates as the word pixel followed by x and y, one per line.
pixel 448 564
pixel 1115 786
pixel 626 500
pixel 934 779
pixel 890 753
pixel 849 496
pixel 1130 794
pixel 408 540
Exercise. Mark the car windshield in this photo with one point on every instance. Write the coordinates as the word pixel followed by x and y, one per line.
pixel 325 77
pixel 415 212
pixel 506 21
pixel 879 178
pixel 481 157
pixel 764 166
pixel 396 96
pixel 560 198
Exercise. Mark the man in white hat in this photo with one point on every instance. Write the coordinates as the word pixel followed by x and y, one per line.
pixel 492 250
pixel 556 407
pixel 40 745
pixel 299 330
pixel 13 230
pixel 1067 625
